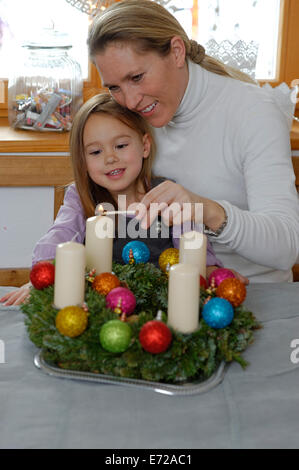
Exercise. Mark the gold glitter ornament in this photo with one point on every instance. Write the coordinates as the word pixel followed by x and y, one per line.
pixel 103 283
pixel 71 321
pixel 168 258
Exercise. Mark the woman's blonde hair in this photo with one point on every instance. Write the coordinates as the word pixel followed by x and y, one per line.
pixel 90 193
pixel 149 26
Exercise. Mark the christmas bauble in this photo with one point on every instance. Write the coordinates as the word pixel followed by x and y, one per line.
pixel 103 283
pixel 218 275
pixel 155 337
pixel 115 336
pixel 122 299
pixel 218 313
pixel 42 275
pixel 71 321
pixel 135 252
pixel 232 290
pixel 167 258
pixel 202 282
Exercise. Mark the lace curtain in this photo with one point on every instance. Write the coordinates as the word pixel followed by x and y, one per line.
pixel 240 55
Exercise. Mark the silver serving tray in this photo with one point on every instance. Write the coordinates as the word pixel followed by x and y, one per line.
pixel 190 388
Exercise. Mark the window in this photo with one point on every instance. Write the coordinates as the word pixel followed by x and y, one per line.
pixel 271 24
pixel 34 16
pixel 267 28
pixel 234 29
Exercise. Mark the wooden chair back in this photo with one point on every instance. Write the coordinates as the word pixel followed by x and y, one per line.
pixel 33 170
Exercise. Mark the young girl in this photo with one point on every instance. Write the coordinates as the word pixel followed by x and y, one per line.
pixel 112 151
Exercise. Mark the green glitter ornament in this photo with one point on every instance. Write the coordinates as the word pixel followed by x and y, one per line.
pixel 115 336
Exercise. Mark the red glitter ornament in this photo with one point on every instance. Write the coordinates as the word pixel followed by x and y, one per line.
pixel 155 337
pixel 42 275
pixel 202 282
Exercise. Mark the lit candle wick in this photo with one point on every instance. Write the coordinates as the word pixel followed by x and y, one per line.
pixel 99 210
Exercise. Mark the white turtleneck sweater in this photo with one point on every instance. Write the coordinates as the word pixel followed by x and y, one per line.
pixel 229 142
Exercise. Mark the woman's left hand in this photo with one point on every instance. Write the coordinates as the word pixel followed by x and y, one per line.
pixel 167 198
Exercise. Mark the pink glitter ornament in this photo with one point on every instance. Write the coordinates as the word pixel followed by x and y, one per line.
pixel 122 300
pixel 218 275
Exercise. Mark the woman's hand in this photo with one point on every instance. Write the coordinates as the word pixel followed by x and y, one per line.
pixel 239 276
pixel 18 296
pixel 169 198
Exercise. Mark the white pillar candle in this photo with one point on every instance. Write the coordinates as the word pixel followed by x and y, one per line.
pixel 69 286
pixel 99 243
pixel 183 298
pixel 193 250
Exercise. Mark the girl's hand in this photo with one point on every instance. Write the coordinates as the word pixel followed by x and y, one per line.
pixel 168 198
pixel 239 276
pixel 18 296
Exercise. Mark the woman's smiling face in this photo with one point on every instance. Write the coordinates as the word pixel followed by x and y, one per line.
pixel 147 83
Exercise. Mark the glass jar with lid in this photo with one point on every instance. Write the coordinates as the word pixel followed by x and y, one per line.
pixel 45 86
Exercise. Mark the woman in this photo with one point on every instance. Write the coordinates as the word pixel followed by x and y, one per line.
pixel 221 137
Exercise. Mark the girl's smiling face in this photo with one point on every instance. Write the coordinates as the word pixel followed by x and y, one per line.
pixel 114 154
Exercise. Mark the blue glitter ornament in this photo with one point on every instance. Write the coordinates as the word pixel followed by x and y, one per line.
pixel 135 252
pixel 218 313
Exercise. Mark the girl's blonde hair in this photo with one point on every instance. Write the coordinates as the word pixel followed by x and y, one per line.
pixel 90 193
pixel 149 26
